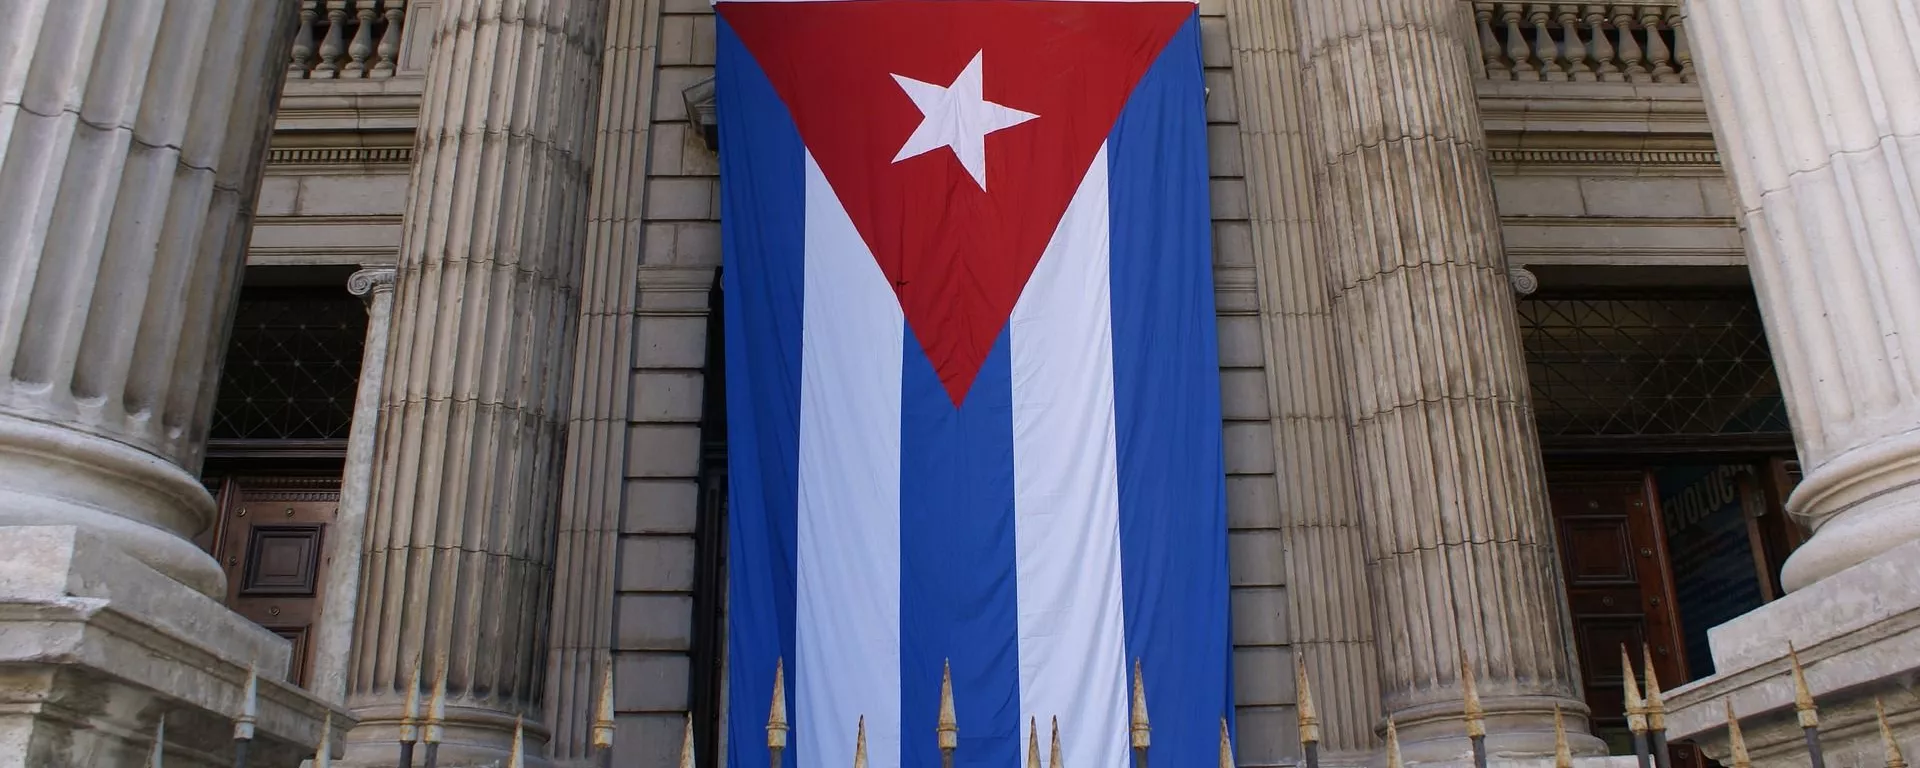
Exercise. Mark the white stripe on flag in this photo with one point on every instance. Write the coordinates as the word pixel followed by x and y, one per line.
pixel 1066 494
pixel 847 614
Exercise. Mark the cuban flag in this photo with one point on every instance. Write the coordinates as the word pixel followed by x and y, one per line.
pixel 972 380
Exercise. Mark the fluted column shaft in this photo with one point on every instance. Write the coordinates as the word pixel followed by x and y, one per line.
pixel 458 575
pixel 132 137
pixel 347 535
pixel 1814 108
pixel 1330 623
pixel 582 630
pixel 1460 545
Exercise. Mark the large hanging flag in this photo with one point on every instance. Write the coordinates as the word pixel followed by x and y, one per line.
pixel 973 391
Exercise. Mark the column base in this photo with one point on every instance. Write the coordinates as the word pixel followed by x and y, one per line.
pixel 1518 728
pixel 51 475
pixel 95 647
pixel 1858 637
pixel 472 737
pixel 1858 504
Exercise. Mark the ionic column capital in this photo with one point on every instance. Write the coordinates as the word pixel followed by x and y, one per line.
pixel 370 282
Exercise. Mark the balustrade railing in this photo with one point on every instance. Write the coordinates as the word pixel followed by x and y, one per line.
pixel 347 39
pixel 1584 42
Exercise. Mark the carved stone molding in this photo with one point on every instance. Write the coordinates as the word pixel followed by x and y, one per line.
pixel 365 283
pixel 1523 280
pixel 1655 157
pixel 340 156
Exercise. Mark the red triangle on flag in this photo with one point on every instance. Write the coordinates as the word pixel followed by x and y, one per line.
pixel 957 254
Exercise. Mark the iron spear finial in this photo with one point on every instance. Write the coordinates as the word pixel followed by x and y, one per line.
pixel 1475 714
pixel 1802 695
pixel 1033 743
pixel 436 708
pixel 323 754
pixel 1054 759
pixel 1735 742
pixel 160 743
pixel 1141 731
pixel 603 709
pixel 1636 707
pixel 777 712
pixel 860 745
pixel 1809 714
pixel 948 727
pixel 1309 717
pixel 410 716
pixel 1656 708
pixel 249 706
pixel 518 759
pixel 1894 758
pixel 1393 745
pixel 1226 746
pixel 1562 754
pixel 686 744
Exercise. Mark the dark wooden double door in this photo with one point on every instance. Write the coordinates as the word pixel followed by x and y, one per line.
pixel 270 537
pixel 1617 550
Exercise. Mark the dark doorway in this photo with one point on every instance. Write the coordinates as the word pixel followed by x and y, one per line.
pixel 1669 461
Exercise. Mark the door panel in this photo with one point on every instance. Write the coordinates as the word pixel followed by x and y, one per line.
pixel 271 540
pixel 1619 589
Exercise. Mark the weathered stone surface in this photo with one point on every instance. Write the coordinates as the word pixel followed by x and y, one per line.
pixel 132 152
pixel 474 411
pixel 95 647
pixel 1460 545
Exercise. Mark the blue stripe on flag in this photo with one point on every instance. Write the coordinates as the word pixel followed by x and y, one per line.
pixel 1166 366
pixel 957 591
pixel 761 236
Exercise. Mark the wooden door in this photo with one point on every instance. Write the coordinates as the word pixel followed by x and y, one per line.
pixel 270 539
pixel 1619 586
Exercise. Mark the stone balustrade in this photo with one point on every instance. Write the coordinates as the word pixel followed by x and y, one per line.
pixel 347 39
pixel 1583 42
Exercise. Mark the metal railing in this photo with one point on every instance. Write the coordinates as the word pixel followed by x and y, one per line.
pixel 1646 718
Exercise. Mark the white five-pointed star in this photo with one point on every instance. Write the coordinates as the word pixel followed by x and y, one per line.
pixel 958 117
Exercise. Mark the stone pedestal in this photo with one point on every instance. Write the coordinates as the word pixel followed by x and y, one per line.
pixel 472 431
pixel 1858 636
pixel 1460 545
pixel 95 647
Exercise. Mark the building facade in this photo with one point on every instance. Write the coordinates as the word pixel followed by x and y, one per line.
pixel 1546 328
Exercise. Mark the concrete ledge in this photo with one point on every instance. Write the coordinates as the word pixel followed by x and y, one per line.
pixel 95 647
pixel 1858 638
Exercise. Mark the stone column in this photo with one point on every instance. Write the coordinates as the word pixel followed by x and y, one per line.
pixel 1460 544
pixel 467 479
pixel 583 601
pixel 132 138
pixel 1818 127
pixel 1330 624
pixel 347 536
